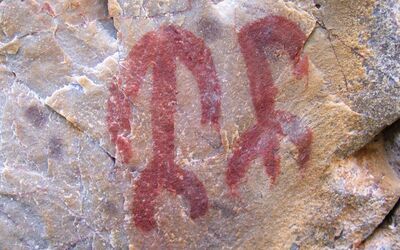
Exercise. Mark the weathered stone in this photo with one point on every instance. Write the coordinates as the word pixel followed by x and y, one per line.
pixel 196 124
pixel 55 181
pixel 387 235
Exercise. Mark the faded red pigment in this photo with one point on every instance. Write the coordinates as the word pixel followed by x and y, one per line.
pixel 159 51
pixel 256 40
pixel 46 7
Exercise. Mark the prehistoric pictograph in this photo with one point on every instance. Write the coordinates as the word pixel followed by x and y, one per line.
pixel 159 50
pixel 262 139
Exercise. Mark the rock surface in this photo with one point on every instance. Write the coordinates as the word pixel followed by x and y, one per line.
pixel 202 124
pixel 386 236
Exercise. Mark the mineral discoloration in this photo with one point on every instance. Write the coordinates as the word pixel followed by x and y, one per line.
pixel 209 28
pixel 225 210
pixel 55 147
pixel 36 116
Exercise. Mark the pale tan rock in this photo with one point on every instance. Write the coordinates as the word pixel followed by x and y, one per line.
pixel 10 47
pixel 85 96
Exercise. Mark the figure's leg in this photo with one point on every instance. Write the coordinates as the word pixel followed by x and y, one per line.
pixel 186 183
pixel 146 192
pixel 303 144
pixel 298 134
pixel 246 152
pixel 271 158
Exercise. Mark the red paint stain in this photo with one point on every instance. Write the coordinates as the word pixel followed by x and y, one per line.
pixel 46 7
pixel 159 51
pixel 118 120
pixel 36 116
pixel 262 139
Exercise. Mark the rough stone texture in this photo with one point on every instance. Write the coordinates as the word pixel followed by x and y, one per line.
pixel 65 185
pixel 387 235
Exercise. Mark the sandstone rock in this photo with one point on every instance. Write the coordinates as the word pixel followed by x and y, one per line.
pixel 196 124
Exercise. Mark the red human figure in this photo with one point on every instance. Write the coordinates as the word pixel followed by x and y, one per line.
pixel 262 139
pixel 159 51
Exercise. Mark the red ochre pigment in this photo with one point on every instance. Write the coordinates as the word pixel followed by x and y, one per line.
pixel 159 51
pixel 262 139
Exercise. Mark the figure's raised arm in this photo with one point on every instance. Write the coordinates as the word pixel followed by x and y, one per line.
pixel 267 35
pixel 141 57
pixel 275 32
pixel 126 86
pixel 194 54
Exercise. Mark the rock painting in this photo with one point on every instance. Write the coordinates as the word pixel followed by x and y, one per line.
pixel 262 139
pixel 159 50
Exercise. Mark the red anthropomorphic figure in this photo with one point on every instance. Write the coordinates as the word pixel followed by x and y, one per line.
pixel 159 51
pixel 262 139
